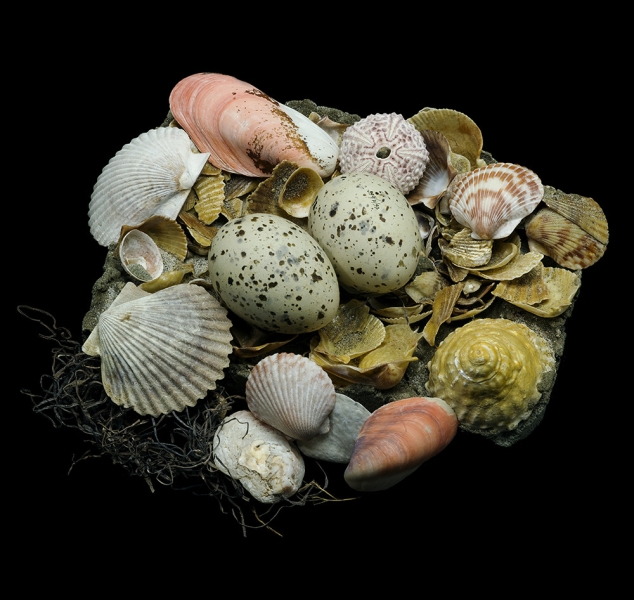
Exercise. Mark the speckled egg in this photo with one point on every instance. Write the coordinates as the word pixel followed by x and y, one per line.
pixel 272 274
pixel 369 231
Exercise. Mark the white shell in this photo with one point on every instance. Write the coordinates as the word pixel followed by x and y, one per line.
pixel 492 200
pixel 258 456
pixel 151 175
pixel 346 420
pixel 140 256
pixel 163 351
pixel 292 394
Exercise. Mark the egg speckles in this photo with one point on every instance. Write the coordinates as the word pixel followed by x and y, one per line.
pixel 273 274
pixel 368 230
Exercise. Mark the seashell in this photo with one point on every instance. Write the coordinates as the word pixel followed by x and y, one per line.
pixel 466 252
pixel 152 175
pixel 438 173
pixel 492 200
pixel 292 394
pixel 396 439
pixel 385 145
pixel 166 233
pixel 518 266
pixel 244 130
pixel 463 135
pixel 299 191
pixel 567 244
pixel 491 372
pixel 442 310
pixel 258 456
pixel 140 256
pixel 210 197
pixel 161 352
pixel 346 420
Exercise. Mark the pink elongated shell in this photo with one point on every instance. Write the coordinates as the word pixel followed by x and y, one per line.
pixel 492 200
pixel 244 130
pixel 396 439
pixel 292 394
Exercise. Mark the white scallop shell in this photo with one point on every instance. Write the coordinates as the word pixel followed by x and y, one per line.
pixel 151 175
pixel 492 200
pixel 161 352
pixel 292 394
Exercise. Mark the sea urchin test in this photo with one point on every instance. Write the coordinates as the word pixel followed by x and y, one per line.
pixel 369 231
pixel 272 274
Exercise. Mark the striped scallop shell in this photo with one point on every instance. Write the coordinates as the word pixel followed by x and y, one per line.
pixel 492 200
pixel 292 394
pixel 152 175
pixel 161 352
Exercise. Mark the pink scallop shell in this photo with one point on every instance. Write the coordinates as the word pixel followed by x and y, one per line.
pixel 492 200
pixel 292 394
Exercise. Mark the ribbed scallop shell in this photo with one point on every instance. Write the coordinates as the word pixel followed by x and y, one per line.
pixel 396 439
pixel 151 175
pixel 292 394
pixel 163 351
pixel 490 372
pixel 492 200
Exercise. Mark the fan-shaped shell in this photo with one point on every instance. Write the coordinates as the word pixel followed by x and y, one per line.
pixel 292 394
pixel 244 130
pixel 162 352
pixel 396 439
pixel 491 372
pixel 492 200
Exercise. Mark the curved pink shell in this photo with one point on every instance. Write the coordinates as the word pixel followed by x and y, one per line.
pixel 244 130
pixel 292 394
pixel 492 200
pixel 396 439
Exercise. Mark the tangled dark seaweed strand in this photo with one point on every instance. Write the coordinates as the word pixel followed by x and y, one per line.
pixel 175 449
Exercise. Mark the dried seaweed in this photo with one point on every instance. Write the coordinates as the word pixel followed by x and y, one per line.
pixel 174 450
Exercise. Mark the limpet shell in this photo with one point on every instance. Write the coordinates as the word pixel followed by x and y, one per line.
pixel 491 372
pixel 140 256
pixel 292 394
pixel 161 352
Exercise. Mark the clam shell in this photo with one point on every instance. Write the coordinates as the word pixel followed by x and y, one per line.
pixel 258 456
pixel 292 394
pixel 244 130
pixel 161 352
pixel 152 175
pixel 396 439
pixel 492 200
pixel 491 372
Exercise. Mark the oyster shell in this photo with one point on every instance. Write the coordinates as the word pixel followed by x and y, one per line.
pixel 491 371
pixel 161 352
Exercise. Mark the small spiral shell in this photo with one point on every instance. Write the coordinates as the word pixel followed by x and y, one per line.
pixel 490 372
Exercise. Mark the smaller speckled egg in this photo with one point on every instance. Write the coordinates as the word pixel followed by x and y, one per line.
pixel 369 231
pixel 271 273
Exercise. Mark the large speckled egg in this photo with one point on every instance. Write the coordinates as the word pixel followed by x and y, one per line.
pixel 369 231
pixel 271 273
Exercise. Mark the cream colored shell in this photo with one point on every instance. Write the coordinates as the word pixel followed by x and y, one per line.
pixel 490 372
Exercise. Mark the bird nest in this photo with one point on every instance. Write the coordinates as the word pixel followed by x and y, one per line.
pixel 173 450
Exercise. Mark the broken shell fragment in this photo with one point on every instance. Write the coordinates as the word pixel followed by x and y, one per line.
pixel 396 439
pixel 258 456
pixel 292 394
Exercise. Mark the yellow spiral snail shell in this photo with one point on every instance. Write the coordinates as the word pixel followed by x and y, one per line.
pixel 490 372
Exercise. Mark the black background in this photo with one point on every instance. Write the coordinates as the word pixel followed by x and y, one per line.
pixel 548 111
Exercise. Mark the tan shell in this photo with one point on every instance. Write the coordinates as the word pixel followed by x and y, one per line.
pixel 152 175
pixel 491 372
pixel 292 394
pixel 568 244
pixel 161 352
pixel 492 200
